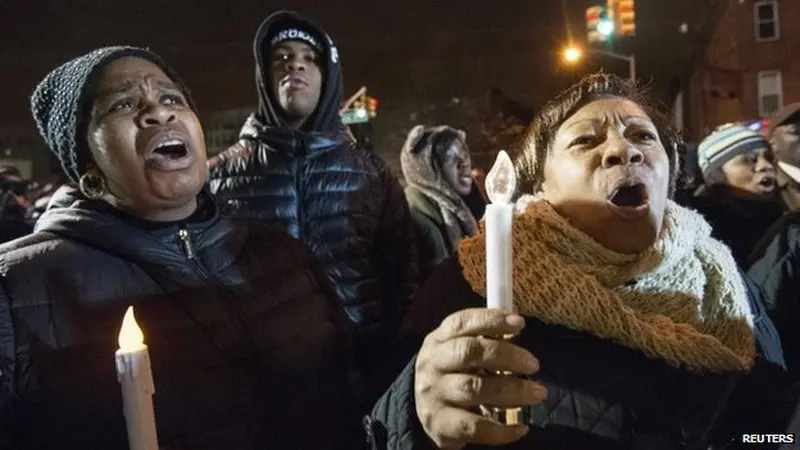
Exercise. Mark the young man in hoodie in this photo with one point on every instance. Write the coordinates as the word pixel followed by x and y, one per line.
pixel 296 166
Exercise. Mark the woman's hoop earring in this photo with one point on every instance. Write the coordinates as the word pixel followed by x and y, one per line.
pixel 92 186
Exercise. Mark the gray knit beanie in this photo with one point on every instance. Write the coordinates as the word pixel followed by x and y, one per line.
pixel 724 144
pixel 60 106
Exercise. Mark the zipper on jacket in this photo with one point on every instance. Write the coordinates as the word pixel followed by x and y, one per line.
pixel 188 250
pixel 186 241
pixel 230 304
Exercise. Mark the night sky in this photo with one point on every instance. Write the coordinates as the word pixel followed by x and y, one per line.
pixel 406 52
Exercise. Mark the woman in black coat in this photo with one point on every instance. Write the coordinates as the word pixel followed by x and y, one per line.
pixel 248 346
pixel 634 327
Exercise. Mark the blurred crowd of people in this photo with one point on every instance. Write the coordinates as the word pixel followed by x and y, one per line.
pixel 23 201
pixel 294 294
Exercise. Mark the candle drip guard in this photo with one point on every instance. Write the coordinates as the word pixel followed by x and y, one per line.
pixel 515 415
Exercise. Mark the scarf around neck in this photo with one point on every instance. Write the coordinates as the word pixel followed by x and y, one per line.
pixel 681 300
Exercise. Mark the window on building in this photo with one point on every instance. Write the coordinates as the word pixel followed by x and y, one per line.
pixel 766 20
pixel 770 92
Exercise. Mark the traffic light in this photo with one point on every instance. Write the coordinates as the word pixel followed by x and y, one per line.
pixel 624 15
pixel 372 107
pixel 360 102
pixel 599 26
pixel 359 110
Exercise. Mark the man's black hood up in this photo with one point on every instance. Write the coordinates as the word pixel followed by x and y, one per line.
pixel 326 117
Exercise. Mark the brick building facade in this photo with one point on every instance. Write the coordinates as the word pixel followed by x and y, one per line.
pixel 750 66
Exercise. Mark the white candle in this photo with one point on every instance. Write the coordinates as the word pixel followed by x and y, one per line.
pixel 500 185
pixel 136 378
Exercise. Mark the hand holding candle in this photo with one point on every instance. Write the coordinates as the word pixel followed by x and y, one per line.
pixel 136 378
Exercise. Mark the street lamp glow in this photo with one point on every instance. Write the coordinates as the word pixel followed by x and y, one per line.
pixel 572 54
pixel 605 27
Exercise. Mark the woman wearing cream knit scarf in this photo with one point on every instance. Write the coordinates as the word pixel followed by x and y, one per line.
pixel 634 327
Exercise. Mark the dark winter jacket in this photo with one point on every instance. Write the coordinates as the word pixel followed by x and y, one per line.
pixel 341 201
pixel 601 395
pixel 737 219
pixel 768 340
pixel 433 245
pixel 775 268
pixel 429 228
pixel 249 347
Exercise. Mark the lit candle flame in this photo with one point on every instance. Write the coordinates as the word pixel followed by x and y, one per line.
pixel 130 335
pixel 501 180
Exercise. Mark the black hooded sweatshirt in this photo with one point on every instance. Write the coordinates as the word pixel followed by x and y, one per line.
pixel 340 200
pixel 247 342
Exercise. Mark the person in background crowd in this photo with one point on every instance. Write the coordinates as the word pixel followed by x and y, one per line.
pixel 40 198
pixel 784 135
pixel 773 267
pixel 297 168
pixel 773 264
pixel 739 198
pixel 634 322
pixel 13 204
pixel 249 347
pixel 436 165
